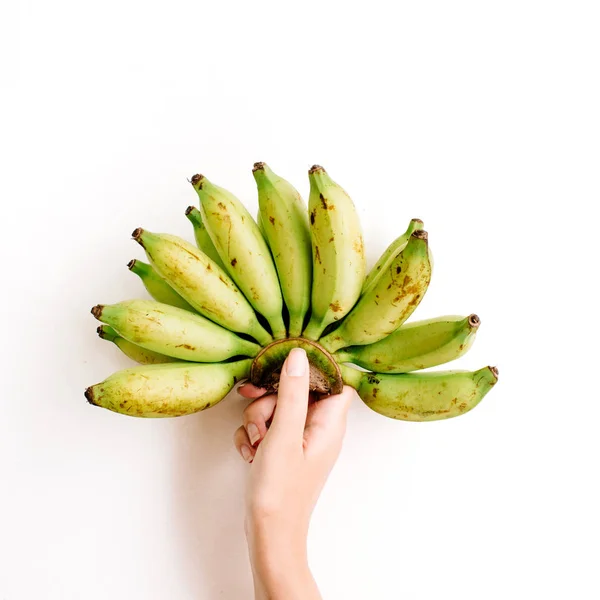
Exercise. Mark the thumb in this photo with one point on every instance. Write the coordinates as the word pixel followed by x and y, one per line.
pixel 292 397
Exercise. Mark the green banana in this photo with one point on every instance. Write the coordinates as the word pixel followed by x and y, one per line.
pixel 173 331
pixel 243 250
pixel 156 286
pixel 396 246
pixel 133 351
pixel 390 301
pixel 338 252
pixel 260 224
pixel 169 390
pixel 422 396
pixel 414 346
pixel 285 226
pixel 201 236
pixel 201 282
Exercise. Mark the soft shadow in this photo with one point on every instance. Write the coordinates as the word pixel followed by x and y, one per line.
pixel 208 503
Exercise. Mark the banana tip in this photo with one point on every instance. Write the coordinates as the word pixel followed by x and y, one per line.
pixel 258 166
pixel 494 371
pixel 196 180
pixel 89 395
pixel 131 264
pixel 188 210
pixel 137 236
pixel 316 169
pixel 474 320
pixel 417 221
pixel 97 310
pixel 100 331
pixel 420 234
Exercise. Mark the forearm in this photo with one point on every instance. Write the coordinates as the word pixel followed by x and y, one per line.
pixel 280 566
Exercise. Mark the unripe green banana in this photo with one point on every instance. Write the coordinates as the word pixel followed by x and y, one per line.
pixel 285 226
pixel 390 301
pixel 201 282
pixel 156 286
pixel 243 250
pixel 422 396
pixel 171 390
pixel 201 236
pixel 338 252
pixel 173 331
pixel 392 250
pixel 133 351
pixel 414 346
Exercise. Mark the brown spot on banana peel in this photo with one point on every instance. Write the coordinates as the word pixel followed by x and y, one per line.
pixel 317 254
pixel 186 346
pixel 272 220
pixel 335 306
pixel 313 216
pixel 234 262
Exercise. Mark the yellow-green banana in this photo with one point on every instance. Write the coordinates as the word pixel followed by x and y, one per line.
pixel 414 346
pixel 396 246
pixel 156 286
pixel 243 250
pixel 284 223
pixel 338 252
pixel 133 351
pixel 390 301
pixel 173 331
pixel 169 390
pixel 422 396
pixel 201 282
pixel 201 236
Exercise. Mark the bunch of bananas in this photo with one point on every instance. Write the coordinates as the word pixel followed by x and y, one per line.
pixel 234 305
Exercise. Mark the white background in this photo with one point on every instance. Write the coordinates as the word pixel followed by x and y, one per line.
pixel 481 118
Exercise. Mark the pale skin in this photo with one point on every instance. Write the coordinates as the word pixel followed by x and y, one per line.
pixel 291 443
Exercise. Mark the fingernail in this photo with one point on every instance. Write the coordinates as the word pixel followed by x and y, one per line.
pixel 296 363
pixel 253 433
pixel 246 453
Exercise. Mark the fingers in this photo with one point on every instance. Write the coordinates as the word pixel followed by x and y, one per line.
pixel 326 418
pixel 247 390
pixel 292 397
pixel 256 416
pixel 243 445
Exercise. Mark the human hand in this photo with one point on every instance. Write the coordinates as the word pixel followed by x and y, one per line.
pixel 292 445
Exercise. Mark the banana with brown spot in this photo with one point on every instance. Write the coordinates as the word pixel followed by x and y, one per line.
pixel 422 396
pixel 338 252
pixel 415 346
pixel 390 301
pixel 284 223
pixel 199 280
pixel 201 236
pixel 156 286
pixel 243 250
pixel 169 390
pixel 131 350
pixel 173 331
pixel 392 250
